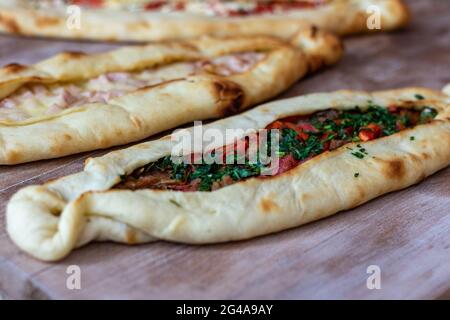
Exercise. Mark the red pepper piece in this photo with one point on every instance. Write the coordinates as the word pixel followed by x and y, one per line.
pixel 392 108
pixel 155 5
pixel 275 125
pixel 370 132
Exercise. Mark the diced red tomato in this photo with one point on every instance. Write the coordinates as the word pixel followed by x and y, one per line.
pixel 295 122
pixel 301 134
pixel 304 136
pixel 370 132
pixel 90 3
pixel 366 135
pixel 155 5
pixel 375 128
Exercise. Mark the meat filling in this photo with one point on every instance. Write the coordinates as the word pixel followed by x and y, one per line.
pixel 301 139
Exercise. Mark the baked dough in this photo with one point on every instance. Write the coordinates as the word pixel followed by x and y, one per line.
pixel 146 104
pixel 50 220
pixel 342 17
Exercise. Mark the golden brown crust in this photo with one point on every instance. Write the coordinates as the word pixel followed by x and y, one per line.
pixel 144 112
pixel 50 220
pixel 342 17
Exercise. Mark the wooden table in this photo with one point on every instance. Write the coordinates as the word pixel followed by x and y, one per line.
pixel 406 233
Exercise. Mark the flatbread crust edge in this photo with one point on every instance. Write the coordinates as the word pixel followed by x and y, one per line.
pixel 50 220
pixel 153 109
pixel 342 17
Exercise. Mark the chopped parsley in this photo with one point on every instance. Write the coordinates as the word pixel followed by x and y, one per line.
pixel 358 154
pixel 419 97
pixel 175 203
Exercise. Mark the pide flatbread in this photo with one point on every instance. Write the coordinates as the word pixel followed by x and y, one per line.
pixel 337 150
pixel 74 102
pixel 163 20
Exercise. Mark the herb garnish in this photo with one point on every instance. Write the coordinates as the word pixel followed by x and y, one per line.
pixel 419 96
pixel 175 203
pixel 358 154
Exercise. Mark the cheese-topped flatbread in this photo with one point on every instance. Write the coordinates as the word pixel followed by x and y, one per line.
pixel 152 20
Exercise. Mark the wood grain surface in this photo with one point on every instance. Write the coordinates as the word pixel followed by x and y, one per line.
pixel 406 233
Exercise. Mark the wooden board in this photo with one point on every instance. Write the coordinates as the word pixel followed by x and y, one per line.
pixel 406 233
